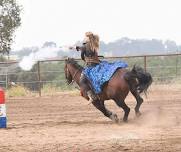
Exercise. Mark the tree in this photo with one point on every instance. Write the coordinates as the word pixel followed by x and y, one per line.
pixel 170 46
pixel 9 21
pixel 49 44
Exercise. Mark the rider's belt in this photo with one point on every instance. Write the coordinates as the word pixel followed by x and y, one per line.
pixel 92 60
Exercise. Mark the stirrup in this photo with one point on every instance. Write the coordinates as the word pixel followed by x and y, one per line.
pixel 91 96
pixel 91 101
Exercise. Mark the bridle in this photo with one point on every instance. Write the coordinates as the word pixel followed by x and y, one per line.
pixel 75 74
pixel 74 77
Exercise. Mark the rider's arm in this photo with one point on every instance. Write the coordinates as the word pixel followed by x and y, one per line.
pixel 83 51
pixel 80 48
pixel 83 55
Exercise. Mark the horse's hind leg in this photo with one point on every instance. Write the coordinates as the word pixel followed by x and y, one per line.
pixel 126 109
pixel 100 105
pixel 139 101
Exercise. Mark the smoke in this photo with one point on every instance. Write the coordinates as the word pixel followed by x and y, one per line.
pixel 44 53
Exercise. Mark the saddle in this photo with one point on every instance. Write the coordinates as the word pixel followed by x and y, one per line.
pixel 101 73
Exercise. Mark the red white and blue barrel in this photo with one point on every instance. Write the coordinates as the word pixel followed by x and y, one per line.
pixel 2 109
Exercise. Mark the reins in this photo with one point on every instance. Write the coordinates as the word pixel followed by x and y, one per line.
pixel 73 76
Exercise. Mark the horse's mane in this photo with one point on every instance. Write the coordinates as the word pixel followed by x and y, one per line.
pixel 73 62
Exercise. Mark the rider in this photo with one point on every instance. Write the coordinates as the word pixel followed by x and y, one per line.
pixel 89 54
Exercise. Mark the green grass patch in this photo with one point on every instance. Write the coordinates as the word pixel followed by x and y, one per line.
pixel 18 91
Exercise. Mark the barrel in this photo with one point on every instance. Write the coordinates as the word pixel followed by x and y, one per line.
pixel 2 109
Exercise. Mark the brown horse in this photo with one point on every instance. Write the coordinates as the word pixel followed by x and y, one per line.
pixel 117 88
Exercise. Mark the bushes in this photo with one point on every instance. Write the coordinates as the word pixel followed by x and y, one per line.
pixel 18 91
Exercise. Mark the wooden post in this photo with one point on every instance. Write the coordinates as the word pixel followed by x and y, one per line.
pixel 145 63
pixel 176 70
pixel 6 81
pixel 6 78
pixel 39 78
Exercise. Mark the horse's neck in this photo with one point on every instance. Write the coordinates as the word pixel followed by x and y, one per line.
pixel 76 74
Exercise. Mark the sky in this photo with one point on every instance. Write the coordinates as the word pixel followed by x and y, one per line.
pixel 66 21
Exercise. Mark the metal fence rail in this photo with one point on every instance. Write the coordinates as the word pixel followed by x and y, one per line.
pixel 164 68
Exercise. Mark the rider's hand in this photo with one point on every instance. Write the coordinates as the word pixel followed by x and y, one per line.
pixel 77 48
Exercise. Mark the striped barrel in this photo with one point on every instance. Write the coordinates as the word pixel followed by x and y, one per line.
pixel 2 109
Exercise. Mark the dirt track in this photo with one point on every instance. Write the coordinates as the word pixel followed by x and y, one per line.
pixel 66 123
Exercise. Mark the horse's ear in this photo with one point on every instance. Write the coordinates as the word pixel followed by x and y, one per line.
pixel 66 59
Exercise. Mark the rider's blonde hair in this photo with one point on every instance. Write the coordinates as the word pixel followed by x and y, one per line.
pixel 93 40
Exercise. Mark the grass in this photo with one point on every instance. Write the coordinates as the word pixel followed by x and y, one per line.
pixel 52 89
pixel 17 91
pixel 48 89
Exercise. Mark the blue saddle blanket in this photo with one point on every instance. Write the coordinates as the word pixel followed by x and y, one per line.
pixel 102 73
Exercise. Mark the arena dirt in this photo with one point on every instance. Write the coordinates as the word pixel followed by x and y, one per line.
pixel 65 122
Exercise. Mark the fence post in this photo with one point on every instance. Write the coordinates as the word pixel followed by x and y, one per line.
pixel 6 78
pixel 176 70
pixel 145 63
pixel 39 78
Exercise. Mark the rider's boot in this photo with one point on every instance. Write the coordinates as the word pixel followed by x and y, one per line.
pixel 92 96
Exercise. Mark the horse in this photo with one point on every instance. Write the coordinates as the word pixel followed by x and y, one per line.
pixel 117 88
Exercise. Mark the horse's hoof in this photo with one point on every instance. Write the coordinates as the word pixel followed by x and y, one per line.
pixel 125 119
pixel 138 114
pixel 114 118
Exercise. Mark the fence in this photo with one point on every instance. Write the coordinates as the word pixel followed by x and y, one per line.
pixel 48 75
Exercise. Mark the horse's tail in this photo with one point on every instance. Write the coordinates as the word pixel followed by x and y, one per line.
pixel 138 79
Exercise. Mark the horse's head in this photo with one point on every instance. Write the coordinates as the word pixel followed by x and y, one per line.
pixel 68 75
pixel 71 69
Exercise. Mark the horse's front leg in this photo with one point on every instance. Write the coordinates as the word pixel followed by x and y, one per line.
pixel 100 105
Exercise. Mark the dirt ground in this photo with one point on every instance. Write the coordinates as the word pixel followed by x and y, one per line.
pixel 65 122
